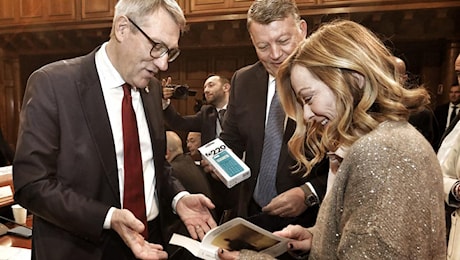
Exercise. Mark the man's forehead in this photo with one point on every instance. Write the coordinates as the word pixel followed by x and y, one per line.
pixel 213 79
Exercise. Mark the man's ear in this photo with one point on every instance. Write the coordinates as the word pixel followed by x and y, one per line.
pixel 359 79
pixel 121 27
pixel 303 27
pixel 226 87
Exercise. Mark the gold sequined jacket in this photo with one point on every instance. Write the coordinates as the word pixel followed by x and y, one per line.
pixel 386 201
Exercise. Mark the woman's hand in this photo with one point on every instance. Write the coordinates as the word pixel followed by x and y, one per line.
pixel 300 237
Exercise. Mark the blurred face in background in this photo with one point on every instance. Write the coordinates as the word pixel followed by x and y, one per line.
pixel 214 91
pixel 454 94
pixel 193 143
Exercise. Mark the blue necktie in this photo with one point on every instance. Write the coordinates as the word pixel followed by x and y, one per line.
pixel 265 189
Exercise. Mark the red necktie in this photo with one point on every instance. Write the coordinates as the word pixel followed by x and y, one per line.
pixel 134 198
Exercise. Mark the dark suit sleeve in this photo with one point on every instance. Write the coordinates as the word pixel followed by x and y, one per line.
pixel 230 133
pixel 318 178
pixel 168 186
pixel 38 172
pixel 177 122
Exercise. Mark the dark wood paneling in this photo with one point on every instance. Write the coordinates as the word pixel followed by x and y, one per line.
pixel 9 103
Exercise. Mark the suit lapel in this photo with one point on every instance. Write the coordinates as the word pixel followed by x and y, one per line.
pixel 261 88
pixel 97 119
pixel 151 100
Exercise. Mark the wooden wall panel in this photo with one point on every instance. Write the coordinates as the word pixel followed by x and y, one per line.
pixel 226 66
pixel 61 9
pixel 242 3
pixel 200 5
pixel 308 2
pixel 30 9
pixel 98 9
pixel 9 101
pixel 8 10
pixel 341 2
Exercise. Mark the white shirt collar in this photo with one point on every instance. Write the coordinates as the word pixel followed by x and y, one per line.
pixel 110 78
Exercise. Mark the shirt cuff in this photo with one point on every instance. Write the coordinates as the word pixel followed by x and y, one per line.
pixel 312 189
pixel 165 103
pixel 108 218
pixel 176 199
pixel 454 193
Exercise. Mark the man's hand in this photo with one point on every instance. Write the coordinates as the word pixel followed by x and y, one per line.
pixel 194 211
pixel 208 168
pixel 288 204
pixel 167 92
pixel 129 229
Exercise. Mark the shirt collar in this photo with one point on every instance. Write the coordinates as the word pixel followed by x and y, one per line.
pixel 110 78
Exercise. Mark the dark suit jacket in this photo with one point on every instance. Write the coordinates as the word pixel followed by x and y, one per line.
pixel 203 121
pixel 243 131
pixel 65 170
pixel 426 124
pixel 440 113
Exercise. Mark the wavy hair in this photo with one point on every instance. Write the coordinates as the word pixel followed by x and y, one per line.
pixel 334 54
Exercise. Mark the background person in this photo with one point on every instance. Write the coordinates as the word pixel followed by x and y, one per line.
pixel 94 192
pixel 205 126
pixel 446 113
pixel 209 120
pixel 425 120
pixel 193 143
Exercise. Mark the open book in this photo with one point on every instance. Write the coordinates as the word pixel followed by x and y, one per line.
pixel 236 234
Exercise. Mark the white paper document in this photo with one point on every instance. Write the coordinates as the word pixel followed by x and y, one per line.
pixel 14 253
pixel 236 234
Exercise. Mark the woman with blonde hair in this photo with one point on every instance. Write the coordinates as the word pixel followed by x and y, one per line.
pixel 386 200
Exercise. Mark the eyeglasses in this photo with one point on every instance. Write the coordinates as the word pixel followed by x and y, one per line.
pixel 159 49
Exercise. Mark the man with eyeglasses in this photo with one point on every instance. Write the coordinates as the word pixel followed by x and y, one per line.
pixel 90 160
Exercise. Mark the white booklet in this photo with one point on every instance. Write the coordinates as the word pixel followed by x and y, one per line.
pixel 236 234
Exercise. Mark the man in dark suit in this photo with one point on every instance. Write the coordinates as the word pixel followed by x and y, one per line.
pixel 275 28
pixel 209 119
pixel 445 113
pixel 424 120
pixel 71 166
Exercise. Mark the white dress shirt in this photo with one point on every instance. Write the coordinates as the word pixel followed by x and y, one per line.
pixel 111 82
